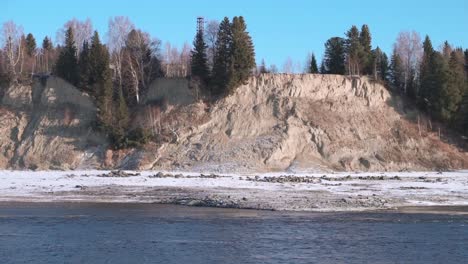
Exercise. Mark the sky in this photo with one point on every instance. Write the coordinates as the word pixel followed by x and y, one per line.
pixel 280 29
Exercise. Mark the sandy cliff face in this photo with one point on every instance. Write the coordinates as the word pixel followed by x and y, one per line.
pixel 308 122
pixel 274 122
pixel 47 126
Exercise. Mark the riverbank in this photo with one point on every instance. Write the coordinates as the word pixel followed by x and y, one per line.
pixel 272 191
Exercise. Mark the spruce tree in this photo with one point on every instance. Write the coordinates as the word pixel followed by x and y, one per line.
pixel 354 52
pixel 98 61
pixel 396 72
pixel 313 64
pixel 243 54
pixel 263 68
pixel 462 116
pixel 84 68
pixel 446 50
pixel 365 56
pixel 380 67
pixel 47 44
pixel 466 62
pixel 100 84
pixel 30 44
pixel 121 111
pixel 222 58
pixel 334 59
pixel 323 69
pixel 456 83
pixel 67 62
pixel 439 99
pixel 199 59
pixel 426 82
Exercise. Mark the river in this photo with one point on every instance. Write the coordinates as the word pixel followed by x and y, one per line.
pixel 148 233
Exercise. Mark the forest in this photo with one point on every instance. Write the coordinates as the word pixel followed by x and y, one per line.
pixel 117 74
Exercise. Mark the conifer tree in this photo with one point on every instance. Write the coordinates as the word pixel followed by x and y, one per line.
pixel 380 66
pixel 67 63
pixel 313 64
pixel 365 56
pixel 463 114
pixel 396 72
pixel 98 61
pixel 84 68
pixel 30 44
pixel 466 62
pixel 353 51
pixel 426 82
pixel 323 70
pixel 199 59
pixel 47 44
pixel 222 58
pixel 243 54
pixel 446 50
pixel 263 67
pixel 456 83
pixel 334 59
pixel 440 92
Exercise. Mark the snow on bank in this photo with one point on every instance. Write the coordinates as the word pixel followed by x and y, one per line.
pixel 281 191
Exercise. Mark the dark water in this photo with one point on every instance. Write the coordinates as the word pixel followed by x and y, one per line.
pixel 117 233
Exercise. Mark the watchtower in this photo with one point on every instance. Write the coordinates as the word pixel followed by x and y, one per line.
pixel 200 24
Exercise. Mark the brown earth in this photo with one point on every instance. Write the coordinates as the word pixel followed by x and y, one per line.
pixel 274 122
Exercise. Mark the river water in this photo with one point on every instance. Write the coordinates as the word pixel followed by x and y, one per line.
pixel 145 233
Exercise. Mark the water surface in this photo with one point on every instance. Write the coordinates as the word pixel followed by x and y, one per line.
pixel 144 233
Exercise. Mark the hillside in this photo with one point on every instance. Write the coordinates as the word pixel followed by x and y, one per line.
pixel 274 122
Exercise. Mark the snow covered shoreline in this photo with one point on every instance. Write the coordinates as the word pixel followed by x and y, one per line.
pixel 341 191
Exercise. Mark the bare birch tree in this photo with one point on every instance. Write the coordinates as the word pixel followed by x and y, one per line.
pixel 141 64
pixel 211 35
pixel 408 46
pixel 185 60
pixel 118 29
pixel 12 40
pixel 82 31
pixel 288 66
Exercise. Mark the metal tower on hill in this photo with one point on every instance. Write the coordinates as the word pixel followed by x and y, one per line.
pixel 200 24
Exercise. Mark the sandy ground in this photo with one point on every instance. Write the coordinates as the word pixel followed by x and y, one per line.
pixel 273 191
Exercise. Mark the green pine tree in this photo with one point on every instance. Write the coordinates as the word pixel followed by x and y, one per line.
pixel 67 63
pixel 426 82
pixel 199 62
pixel 84 68
pixel 313 64
pixel 466 62
pixel 243 54
pixel 322 69
pixel 439 98
pixel 462 115
pixel 354 51
pixel 334 59
pixel 366 56
pixel 98 64
pixel 456 85
pixel 263 67
pixel 396 72
pixel 222 58
pixel 47 44
pixel 380 67
pixel 30 45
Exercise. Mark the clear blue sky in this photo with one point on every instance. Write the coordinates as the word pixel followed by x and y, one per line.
pixel 279 28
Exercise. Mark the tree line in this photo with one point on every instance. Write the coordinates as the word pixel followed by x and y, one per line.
pixel 434 81
pixel 117 74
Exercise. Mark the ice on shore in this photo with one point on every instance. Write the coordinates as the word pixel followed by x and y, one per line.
pixel 393 188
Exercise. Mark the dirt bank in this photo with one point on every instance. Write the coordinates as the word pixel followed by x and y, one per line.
pixel 276 122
